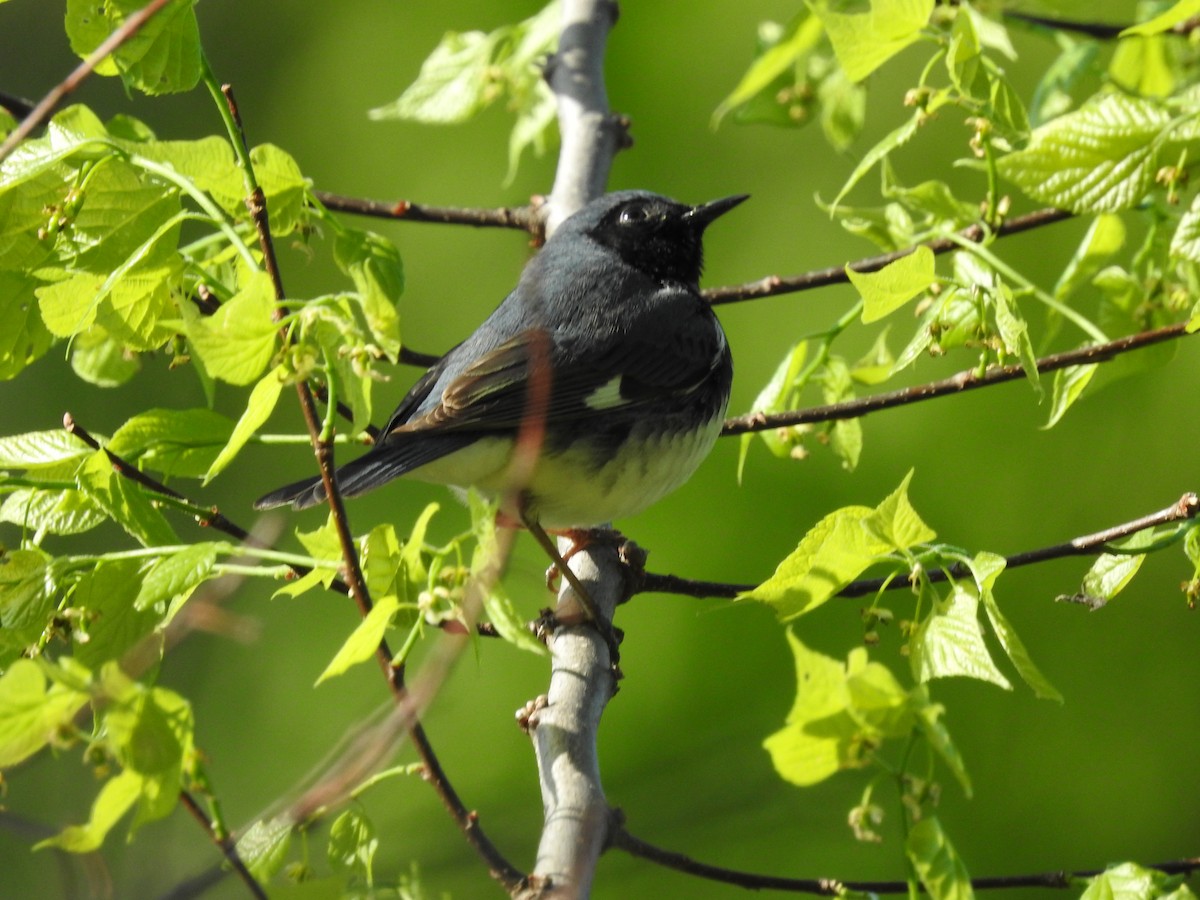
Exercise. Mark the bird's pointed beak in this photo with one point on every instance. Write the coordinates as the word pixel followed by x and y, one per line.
pixel 702 216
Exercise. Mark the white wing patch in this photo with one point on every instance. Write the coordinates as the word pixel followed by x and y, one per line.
pixel 606 396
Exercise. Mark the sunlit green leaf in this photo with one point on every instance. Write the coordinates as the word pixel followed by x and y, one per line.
pixel 173 441
pixel 283 185
pixel 259 407
pixel 840 715
pixel 115 799
pixel 237 342
pixel 937 865
pixel 949 641
pixel 352 845
pixel 779 50
pixel 162 57
pixel 1166 20
pixel 264 846
pixel 36 450
pixel 125 502
pixel 831 555
pixel 888 289
pixel 865 41
pixel 177 574
pixel 23 336
pixel 31 714
pixel 364 640
pixel 896 523
pixel 1014 333
pixel 374 264
pixel 1101 158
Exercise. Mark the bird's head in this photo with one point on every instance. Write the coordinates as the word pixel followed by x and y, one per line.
pixel 654 234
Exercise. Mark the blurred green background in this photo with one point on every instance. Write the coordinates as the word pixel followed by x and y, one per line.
pixel 1110 775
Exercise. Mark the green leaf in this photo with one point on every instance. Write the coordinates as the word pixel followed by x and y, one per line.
pixel 151 733
pixel 1128 881
pixel 1014 333
pixel 831 555
pixel 124 502
pixel 866 41
pixel 936 864
pixel 352 845
pixel 364 640
pixel 115 799
pixel 453 82
pixel 1102 158
pixel 237 342
pixel 1165 21
pixel 177 575
pixel 1069 385
pixel 986 568
pixel 284 186
pixel 1110 573
pixel 949 641
pixel 1185 243
pixel 784 383
pixel 162 57
pixel 1104 238
pixel 69 307
pixel 885 291
pixel 898 137
pixel 112 623
pixel 780 48
pixel 27 589
pixel 30 715
pixel 50 512
pixel 929 720
pixel 100 360
pixel 37 450
pixel 1144 66
pixel 841 713
pixel 264 846
pixel 258 409
pixel 23 336
pixel 173 441
pixel 374 265
pixel 896 523
pixel 846 437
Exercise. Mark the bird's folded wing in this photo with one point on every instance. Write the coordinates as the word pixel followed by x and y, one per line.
pixel 494 392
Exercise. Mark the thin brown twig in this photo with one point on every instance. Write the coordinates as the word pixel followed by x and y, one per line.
pixel 1185 508
pixel 352 573
pixel 833 887
pixel 49 103
pixel 522 218
pixel 773 285
pixel 226 845
pixel 955 384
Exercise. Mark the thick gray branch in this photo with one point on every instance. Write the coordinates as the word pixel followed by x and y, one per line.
pixel 590 133
pixel 564 724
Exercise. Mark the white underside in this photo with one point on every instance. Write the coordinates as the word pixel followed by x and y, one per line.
pixel 626 484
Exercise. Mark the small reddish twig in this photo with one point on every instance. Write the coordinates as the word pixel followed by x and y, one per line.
pixel 522 218
pixel 226 845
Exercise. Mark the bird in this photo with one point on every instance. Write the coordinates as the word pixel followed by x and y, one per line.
pixel 605 345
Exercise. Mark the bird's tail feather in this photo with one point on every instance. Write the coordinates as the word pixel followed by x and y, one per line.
pixel 354 478
pixel 369 471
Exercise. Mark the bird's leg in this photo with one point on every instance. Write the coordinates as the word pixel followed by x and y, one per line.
pixel 581 539
pixel 602 624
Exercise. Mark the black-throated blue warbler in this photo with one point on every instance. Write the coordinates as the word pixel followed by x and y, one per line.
pixel 608 319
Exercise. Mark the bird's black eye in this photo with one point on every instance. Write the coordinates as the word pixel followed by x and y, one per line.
pixel 633 214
